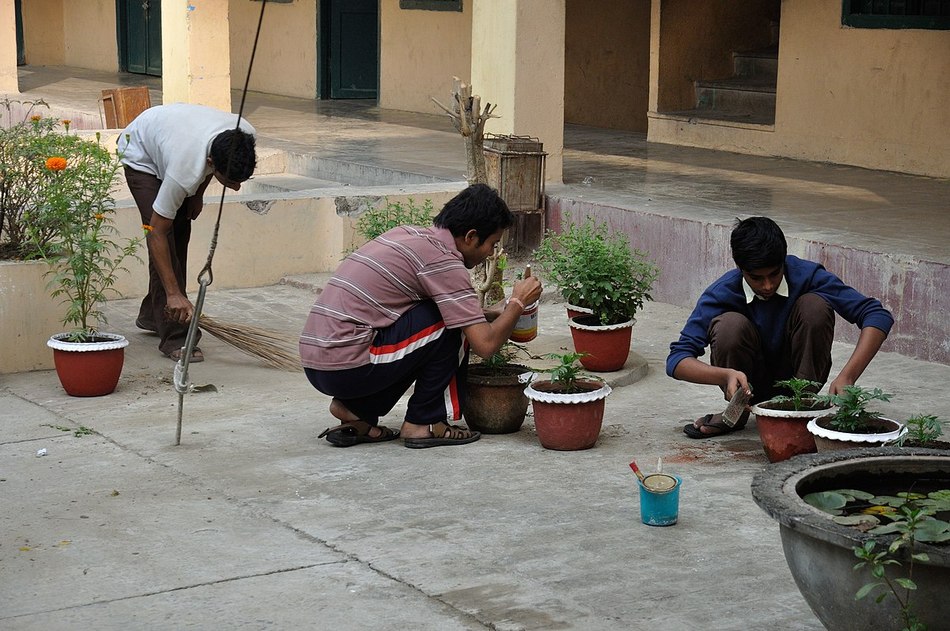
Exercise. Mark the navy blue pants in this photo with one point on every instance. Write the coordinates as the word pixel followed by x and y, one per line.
pixel 415 349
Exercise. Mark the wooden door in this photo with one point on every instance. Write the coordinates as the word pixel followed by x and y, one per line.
pixel 353 51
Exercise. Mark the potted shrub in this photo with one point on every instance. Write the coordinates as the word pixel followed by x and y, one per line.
pixel 598 271
pixel 69 225
pixel 495 402
pixel 782 420
pixel 852 424
pixel 568 406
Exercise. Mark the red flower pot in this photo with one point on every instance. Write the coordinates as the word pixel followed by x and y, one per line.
pixel 567 422
pixel 606 347
pixel 88 369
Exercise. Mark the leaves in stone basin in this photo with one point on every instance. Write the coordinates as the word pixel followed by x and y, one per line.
pixel 830 502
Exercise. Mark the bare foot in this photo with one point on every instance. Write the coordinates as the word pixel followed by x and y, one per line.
pixel 411 430
pixel 341 412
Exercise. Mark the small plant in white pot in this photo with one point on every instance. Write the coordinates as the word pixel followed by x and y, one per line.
pixel 568 406
pixel 782 420
pixel 852 424
pixel 70 227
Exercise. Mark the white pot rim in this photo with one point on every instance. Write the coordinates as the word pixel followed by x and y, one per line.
pixel 115 341
pixel 831 434
pixel 795 414
pixel 580 309
pixel 603 327
pixel 557 397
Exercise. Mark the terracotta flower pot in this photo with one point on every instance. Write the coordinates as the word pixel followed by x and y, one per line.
pixel 573 311
pixel 568 422
pixel 826 439
pixel 495 402
pixel 784 433
pixel 88 369
pixel 606 346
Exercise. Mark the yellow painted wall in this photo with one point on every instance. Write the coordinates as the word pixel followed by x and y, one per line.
pixel 874 98
pixel 286 60
pixel 877 98
pixel 43 39
pixel 90 35
pixel 420 53
pixel 607 64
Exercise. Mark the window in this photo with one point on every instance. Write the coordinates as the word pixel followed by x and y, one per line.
pixel 431 5
pixel 922 14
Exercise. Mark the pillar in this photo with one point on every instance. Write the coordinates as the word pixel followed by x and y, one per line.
pixel 196 53
pixel 8 73
pixel 518 64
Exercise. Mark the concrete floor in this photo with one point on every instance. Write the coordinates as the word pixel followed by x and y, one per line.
pixel 254 523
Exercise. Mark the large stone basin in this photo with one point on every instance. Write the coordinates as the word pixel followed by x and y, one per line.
pixel 820 553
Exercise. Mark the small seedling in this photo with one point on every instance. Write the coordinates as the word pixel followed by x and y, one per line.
pixel 803 393
pixel 852 414
pixel 79 432
pixel 923 428
pixel 567 372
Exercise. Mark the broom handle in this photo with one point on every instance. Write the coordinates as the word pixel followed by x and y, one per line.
pixel 181 376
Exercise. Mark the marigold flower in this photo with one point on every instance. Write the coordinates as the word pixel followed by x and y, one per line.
pixel 147 228
pixel 56 163
pixel 36 118
pixel 99 216
pixel 66 123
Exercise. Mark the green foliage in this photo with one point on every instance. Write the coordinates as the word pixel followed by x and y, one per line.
pixel 598 270
pixel 504 356
pixel 923 428
pixel 69 217
pixel 803 393
pixel 24 147
pixel 852 414
pixel 376 221
pixel 568 371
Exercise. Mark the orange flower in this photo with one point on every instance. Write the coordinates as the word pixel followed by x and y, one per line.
pixel 147 228
pixel 36 118
pixel 56 163
pixel 99 216
pixel 66 123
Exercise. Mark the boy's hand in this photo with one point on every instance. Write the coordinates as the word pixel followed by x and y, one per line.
pixel 734 379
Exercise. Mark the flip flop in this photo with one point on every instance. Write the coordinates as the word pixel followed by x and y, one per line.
pixel 355 433
pixel 444 434
pixel 196 355
pixel 720 428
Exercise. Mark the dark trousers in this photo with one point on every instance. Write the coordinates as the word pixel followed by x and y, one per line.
pixel 806 350
pixel 144 188
pixel 416 349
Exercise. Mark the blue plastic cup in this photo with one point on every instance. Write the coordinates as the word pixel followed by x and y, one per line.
pixel 659 502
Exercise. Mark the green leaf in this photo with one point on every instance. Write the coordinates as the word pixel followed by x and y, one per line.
pixel 827 501
pixel 906 583
pixel 865 590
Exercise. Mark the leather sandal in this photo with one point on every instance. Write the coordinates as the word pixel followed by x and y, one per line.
pixel 444 434
pixel 710 422
pixel 355 433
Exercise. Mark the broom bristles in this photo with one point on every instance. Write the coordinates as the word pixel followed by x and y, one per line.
pixel 275 349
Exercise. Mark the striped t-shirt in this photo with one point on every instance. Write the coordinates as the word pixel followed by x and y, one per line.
pixel 378 283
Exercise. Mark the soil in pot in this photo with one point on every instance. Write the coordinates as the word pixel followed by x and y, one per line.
pixel 568 421
pixel 495 402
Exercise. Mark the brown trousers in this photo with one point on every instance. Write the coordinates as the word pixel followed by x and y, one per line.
pixel 144 188
pixel 806 351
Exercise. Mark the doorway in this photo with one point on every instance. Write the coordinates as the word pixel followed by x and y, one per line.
pixel 140 36
pixel 350 51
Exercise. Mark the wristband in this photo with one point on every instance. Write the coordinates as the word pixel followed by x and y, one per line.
pixel 517 302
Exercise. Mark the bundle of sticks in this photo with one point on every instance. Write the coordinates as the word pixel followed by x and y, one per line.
pixel 278 350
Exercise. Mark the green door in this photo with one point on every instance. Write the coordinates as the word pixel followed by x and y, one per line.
pixel 20 54
pixel 353 49
pixel 141 36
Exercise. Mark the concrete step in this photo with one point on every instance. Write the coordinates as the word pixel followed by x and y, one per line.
pixel 751 96
pixel 282 182
pixel 761 63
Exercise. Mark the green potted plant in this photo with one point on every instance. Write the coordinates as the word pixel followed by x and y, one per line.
pixel 852 424
pixel 605 282
pixel 782 420
pixel 70 226
pixel 923 430
pixel 568 406
pixel 495 402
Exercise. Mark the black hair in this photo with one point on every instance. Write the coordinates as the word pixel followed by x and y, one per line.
pixel 237 167
pixel 478 208
pixel 757 243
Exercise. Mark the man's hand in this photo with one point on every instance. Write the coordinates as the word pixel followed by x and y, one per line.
pixel 179 309
pixel 837 386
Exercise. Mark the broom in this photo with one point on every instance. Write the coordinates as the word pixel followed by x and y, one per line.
pixel 275 349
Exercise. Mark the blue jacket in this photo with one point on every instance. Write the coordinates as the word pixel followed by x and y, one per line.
pixel 770 316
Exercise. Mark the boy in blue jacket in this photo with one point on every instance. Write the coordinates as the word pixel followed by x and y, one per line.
pixel 771 318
